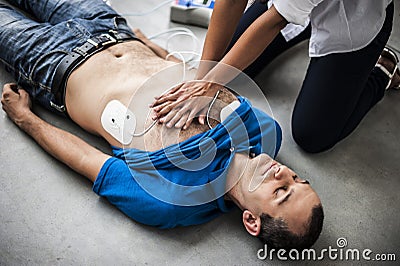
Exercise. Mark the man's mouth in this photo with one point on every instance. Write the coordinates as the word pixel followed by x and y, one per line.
pixel 272 169
pixel 270 165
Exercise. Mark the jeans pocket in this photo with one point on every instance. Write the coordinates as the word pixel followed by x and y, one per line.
pixel 43 70
pixel 77 29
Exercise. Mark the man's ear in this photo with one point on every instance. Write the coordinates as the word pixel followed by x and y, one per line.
pixel 252 223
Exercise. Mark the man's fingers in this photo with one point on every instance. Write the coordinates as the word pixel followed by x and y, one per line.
pixel 25 97
pixel 12 89
pixel 7 94
pixel 8 90
pixel 23 93
pixel 10 86
pixel 14 97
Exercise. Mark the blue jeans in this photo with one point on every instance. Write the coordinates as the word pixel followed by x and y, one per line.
pixel 32 47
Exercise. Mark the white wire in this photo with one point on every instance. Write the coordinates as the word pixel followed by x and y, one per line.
pixel 194 40
pixel 179 32
pixel 144 13
pixel 183 62
pixel 209 108
pixel 146 130
pixel 183 59
pixel 172 30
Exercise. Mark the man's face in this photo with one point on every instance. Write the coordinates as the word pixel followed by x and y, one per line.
pixel 275 189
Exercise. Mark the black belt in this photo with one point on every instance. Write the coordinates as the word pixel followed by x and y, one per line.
pixel 78 56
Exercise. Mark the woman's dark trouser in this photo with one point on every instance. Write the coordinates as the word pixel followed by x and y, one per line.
pixel 338 90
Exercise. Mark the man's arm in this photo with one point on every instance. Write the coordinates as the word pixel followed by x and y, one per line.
pixel 64 146
pixel 158 50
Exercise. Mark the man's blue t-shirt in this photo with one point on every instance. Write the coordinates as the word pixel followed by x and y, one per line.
pixel 183 184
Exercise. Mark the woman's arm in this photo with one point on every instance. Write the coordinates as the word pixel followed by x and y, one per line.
pixel 223 23
pixel 246 50
pixel 249 46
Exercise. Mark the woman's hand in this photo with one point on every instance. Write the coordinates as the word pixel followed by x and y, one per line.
pixel 180 105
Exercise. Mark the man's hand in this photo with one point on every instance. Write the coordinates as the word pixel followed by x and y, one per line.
pixel 180 105
pixel 15 102
pixel 64 146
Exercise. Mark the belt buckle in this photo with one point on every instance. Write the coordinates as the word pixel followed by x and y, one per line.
pixel 109 40
pixel 59 108
pixel 109 37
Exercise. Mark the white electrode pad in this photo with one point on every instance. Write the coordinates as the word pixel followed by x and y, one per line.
pixel 118 121
pixel 227 110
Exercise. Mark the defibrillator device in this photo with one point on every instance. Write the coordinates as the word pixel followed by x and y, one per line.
pixel 192 12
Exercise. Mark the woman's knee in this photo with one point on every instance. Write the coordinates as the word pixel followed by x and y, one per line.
pixel 311 136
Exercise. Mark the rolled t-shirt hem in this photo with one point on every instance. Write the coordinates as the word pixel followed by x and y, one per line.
pixel 100 177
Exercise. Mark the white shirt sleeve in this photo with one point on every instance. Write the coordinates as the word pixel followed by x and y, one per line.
pixel 296 11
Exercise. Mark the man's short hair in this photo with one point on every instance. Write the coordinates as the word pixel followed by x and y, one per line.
pixel 276 234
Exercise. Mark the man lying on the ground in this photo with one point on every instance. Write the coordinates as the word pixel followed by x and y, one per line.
pixel 77 57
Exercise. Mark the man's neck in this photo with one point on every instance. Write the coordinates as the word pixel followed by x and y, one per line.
pixel 234 179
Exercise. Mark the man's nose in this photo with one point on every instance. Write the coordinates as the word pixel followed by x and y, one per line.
pixel 282 173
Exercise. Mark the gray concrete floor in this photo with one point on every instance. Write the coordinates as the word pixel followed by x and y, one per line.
pixel 50 216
